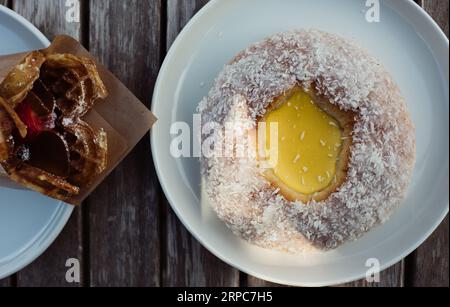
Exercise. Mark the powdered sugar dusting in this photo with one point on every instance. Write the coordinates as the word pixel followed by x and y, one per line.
pixel 382 155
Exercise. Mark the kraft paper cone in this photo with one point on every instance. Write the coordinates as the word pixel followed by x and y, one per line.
pixel 124 118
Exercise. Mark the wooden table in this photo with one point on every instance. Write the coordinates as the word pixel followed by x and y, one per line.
pixel 126 233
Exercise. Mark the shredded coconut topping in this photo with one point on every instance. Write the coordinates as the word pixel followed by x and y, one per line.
pixel 382 155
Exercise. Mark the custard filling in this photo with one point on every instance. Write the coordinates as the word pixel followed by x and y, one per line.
pixel 309 143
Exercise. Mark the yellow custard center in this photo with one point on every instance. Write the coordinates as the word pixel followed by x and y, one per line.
pixel 309 143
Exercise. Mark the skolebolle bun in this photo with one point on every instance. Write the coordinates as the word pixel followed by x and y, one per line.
pixel 346 143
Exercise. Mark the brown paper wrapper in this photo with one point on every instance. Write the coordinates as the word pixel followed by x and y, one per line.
pixel 124 118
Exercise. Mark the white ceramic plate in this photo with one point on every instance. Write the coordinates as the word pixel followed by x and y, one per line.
pixel 411 46
pixel 29 222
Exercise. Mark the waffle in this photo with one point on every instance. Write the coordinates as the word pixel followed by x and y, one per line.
pixel 44 143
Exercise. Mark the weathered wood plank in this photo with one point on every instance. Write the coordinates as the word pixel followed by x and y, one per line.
pixel 5 2
pixel 438 9
pixel 49 16
pixel 429 264
pixel 6 282
pixel 124 212
pixel 50 269
pixel 187 262
pixel 256 282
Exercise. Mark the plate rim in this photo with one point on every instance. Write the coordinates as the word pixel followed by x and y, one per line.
pixel 158 164
pixel 47 235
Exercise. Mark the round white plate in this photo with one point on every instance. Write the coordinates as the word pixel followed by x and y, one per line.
pixel 29 222
pixel 413 49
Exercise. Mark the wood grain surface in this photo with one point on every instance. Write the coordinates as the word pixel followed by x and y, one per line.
pixel 5 3
pixel 438 9
pixel 126 234
pixel 198 267
pixel 124 223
